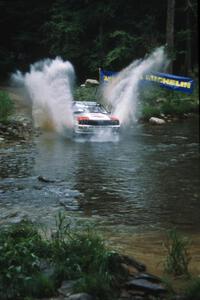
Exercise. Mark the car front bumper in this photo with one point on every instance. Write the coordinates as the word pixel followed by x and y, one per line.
pixel 90 129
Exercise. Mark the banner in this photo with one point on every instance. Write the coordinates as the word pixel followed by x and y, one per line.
pixel 169 81
pixel 105 76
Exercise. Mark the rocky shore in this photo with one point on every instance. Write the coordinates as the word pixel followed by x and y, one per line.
pixel 169 118
pixel 22 128
pixel 130 279
pixel 16 129
pixel 139 284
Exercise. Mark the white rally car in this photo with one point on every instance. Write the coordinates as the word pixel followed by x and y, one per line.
pixel 92 118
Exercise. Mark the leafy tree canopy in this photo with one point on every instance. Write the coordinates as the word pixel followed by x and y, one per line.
pixel 90 34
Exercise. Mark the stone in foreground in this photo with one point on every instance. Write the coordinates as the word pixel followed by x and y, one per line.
pixel 145 285
pixel 80 296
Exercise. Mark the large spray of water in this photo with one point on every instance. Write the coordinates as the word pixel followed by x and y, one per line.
pixel 122 93
pixel 49 84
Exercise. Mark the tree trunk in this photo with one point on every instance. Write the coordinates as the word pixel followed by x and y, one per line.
pixel 170 32
pixel 188 39
pixel 101 34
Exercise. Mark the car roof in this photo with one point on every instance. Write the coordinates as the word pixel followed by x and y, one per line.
pixel 86 103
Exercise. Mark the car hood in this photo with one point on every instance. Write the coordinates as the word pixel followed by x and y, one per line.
pixel 96 116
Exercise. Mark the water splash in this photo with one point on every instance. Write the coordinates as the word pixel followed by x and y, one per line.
pixel 49 84
pixel 103 136
pixel 122 93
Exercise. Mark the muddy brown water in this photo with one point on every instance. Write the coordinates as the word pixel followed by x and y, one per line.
pixel 132 190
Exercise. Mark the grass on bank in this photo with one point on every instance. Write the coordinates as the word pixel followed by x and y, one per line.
pixel 177 277
pixel 6 106
pixel 156 101
pixel 192 290
pixel 173 108
pixel 33 266
pixel 178 258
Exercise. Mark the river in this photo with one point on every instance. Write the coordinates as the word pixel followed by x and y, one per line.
pixel 131 190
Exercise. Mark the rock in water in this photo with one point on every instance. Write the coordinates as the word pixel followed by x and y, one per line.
pixel 43 179
pixel 156 121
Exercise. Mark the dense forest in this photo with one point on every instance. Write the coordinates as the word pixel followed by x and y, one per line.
pixel 94 33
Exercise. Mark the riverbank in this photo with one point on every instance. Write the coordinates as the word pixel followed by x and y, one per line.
pixel 74 263
pixel 20 124
pixel 153 102
pixel 14 130
pixel 16 124
pixel 22 128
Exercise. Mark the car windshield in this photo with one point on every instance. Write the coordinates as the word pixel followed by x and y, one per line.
pixel 78 110
pixel 96 109
pixel 89 108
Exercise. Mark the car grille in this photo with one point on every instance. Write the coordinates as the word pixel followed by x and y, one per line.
pixel 99 122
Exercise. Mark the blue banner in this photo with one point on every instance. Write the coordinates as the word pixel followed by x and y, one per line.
pixel 169 81
pixel 172 82
pixel 105 76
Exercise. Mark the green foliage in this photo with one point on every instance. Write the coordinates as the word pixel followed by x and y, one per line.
pixel 91 33
pixel 123 48
pixel 86 93
pixel 21 251
pixel 96 284
pixel 32 266
pixel 192 291
pixel 6 62
pixel 155 101
pixel 168 283
pixel 81 254
pixel 66 29
pixel 178 107
pixel 178 258
pixel 150 111
pixel 40 285
pixel 6 106
pixel 152 93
